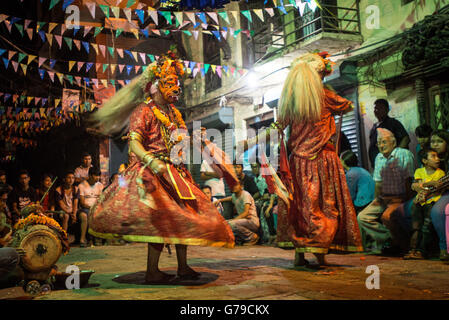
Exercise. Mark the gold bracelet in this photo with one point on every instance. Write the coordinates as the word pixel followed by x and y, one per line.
pixel 135 136
pixel 147 154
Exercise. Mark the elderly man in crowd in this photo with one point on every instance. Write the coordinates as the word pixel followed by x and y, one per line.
pixel 381 110
pixel 393 175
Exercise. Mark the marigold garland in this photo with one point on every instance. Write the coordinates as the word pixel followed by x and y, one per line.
pixel 170 126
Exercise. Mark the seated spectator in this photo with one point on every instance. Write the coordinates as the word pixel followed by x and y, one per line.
pixel 3 182
pixel 67 197
pixel 425 177
pixel 208 192
pixel 246 181
pixel 5 213
pixel 360 183
pixel 439 141
pixel 89 191
pixel 393 172
pixel 381 110
pixel 422 133
pixel 82 172
pixel 246 224
pixel 49 202
pixel 264 205
pixel 9 263
pixel 22 195
pixel 212 179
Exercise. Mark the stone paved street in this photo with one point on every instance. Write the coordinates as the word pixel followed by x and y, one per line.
pixel 257 272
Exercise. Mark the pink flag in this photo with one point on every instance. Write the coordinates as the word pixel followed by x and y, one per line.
pixel 52 75
pixel 41 60
pixel 102 49
pixel 59 40
pixel 80 64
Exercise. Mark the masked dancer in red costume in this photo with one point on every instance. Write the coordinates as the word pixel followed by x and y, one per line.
pixel 156 200
pixel 320 214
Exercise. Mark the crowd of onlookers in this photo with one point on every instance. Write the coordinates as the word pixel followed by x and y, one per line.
pixel 68 201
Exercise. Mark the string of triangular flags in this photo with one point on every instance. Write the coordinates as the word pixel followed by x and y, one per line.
pixel 112 67
pixel 192 67
pixel 177 16
pixel 31 114
pixel 35 106
pixel 38 27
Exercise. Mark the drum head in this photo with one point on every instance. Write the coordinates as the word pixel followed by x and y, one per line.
pixel 42 248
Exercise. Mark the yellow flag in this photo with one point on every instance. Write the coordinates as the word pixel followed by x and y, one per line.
pixel 51 26
pixel 71 64
pixel 60 76
pixel 31 58
pixel 24 68
pixel 95 47
pixel 213 67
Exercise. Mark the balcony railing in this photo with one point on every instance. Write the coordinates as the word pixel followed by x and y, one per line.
pixel 292 29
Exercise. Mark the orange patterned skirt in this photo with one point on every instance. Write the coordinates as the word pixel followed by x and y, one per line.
pixel 142 207
pixel 321 215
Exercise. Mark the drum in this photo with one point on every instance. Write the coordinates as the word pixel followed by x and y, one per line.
pixel 42 247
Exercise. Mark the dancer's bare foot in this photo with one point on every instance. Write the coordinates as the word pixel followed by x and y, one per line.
pixel 300 261
pixel 187 273
pixel 321 258
pixel 158 276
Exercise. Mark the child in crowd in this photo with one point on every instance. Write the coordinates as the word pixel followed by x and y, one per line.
pixel 208 192
pixel 360 182
pixel 425 177
pixel 422 133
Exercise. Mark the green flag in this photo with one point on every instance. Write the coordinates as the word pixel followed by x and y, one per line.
pixel 69 42
pixel 130 3
pixel 247 14
pixel 111 51
pixel 105 66
pixel 20 28
pixel 166 15
pixel 105 10
pixel 206 67
pixel 70 77
pixel 21 57
pixel 53 3
pixel 118 32
pixel 224 16
pixel 97 30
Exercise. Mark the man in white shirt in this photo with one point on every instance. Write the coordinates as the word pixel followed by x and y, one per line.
pixel 82 172
pixel 246 225
pixel 90 190
pixel 212 179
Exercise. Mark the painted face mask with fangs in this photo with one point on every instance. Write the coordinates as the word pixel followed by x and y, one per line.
pixel 170 89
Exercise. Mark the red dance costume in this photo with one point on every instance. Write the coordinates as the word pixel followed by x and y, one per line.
pixel 321 215
pixel 143 207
